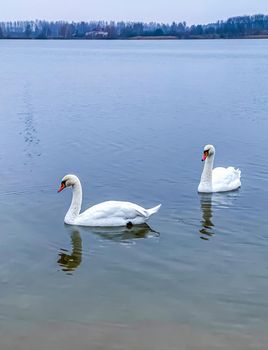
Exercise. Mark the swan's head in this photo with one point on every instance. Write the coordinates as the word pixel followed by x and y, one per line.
pixel 68 181
pixel 209 151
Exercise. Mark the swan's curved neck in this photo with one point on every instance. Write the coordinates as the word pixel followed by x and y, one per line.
pixel 75 207
pixel 206 177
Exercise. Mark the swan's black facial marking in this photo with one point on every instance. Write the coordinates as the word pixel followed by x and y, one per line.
pixel 205 155
pixel 62 186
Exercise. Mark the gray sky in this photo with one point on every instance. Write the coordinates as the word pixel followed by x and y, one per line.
pixel 192 11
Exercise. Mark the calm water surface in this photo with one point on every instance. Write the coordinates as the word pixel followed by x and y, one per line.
pixel 130 119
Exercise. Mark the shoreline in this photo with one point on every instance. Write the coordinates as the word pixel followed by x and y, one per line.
pixel 169 37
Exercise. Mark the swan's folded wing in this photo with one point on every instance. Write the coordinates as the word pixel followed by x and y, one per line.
pixel 131 210
pixel 115 209
pixel 226 178
pixel 141 212
pixel 226 175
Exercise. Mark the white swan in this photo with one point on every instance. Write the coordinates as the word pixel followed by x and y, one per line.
pixel 110 213
pixel 218 179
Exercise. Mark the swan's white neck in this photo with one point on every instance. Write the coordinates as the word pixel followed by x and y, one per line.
pixel 206 177
pixel 75 207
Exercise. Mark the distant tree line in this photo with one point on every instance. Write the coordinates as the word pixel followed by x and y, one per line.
pixel 235 27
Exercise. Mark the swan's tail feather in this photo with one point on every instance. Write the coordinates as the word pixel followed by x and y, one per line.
pixel 153 210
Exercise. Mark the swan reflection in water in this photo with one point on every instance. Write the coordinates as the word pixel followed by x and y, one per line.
pixel 209 203
pixel 125 234
pixel 206 230
pixel 69 262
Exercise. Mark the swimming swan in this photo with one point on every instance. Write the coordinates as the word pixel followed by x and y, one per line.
pixel 110 213
pixel 217 179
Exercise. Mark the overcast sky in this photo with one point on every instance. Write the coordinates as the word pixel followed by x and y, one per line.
pixel 191 11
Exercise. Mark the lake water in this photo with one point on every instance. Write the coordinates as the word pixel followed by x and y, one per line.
pixel 130 118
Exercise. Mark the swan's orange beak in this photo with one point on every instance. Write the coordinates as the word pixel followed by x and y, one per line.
pixel 62 187
pixel 205 154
